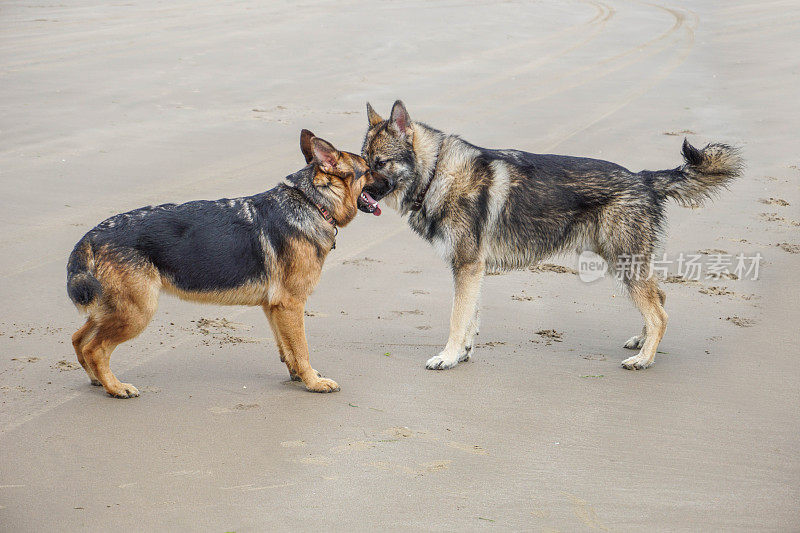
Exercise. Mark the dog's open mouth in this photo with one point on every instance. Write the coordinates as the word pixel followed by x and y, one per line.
pixel 367 204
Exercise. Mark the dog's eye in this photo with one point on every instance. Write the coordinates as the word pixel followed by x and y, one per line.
pixel 380 163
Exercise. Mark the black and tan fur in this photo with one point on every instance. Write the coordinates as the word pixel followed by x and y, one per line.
pixel 488 209
pixel 265 250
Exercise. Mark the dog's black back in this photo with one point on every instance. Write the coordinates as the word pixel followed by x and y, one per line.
pixel 209 245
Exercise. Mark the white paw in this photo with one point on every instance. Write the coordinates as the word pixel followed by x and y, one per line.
pixel 634 343
pixel 443 361
pixel 637 362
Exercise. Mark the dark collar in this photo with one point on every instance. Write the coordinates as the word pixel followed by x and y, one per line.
pixel 325 214
pixel 417 205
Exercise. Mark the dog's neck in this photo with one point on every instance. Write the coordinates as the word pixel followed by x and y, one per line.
pixel 303 181
pixel 427 145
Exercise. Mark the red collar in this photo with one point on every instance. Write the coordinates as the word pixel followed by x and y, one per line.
pixel 328 218
pixel 325 214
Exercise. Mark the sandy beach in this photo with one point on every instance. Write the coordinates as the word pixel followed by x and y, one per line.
pixel 105 107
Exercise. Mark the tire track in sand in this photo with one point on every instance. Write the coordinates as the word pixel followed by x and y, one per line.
pixel 598 23
pixel 580 76
pixel 683 47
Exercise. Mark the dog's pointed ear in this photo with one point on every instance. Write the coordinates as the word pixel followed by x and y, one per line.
pixel 305 145
pixel 400 118
pixel 324 153
pixel 373 117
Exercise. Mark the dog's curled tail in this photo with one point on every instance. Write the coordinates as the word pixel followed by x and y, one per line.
pixel 702 175
pixel 82 287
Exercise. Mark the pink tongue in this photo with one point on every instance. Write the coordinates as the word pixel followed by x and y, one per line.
pixel 372 202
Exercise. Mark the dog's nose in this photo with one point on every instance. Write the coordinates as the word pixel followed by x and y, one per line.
pixel 376 175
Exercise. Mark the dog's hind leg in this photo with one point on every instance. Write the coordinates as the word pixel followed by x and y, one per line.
pixel 468 278
pixel 637 341
pixel 649 299
pixel 98 356
pixel 625 238
pixel 130 299
pixel 111 332
pixel 79 339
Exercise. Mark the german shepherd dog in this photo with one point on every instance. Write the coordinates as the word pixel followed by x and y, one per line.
pixel 488 209
pixel 267 250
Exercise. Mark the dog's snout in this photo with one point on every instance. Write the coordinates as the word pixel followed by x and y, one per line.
pixel 378 177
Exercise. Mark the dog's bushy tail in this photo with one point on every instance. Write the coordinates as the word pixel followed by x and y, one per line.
pixel 702 175
pixel 82 287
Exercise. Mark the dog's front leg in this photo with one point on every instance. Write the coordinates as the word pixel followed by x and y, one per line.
pixel 472 330
pixel 287 357
pixel 467 278
pixel 289 322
